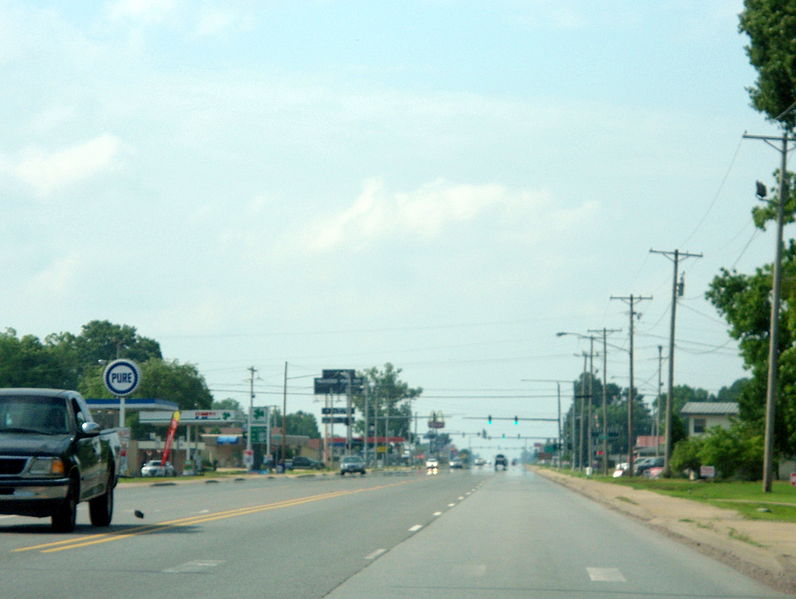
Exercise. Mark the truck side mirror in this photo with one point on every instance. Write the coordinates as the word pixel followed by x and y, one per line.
pixel 90 429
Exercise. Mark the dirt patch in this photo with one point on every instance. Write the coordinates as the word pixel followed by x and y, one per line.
pixel 763 550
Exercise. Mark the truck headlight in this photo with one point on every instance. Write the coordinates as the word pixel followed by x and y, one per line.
pixel 46 467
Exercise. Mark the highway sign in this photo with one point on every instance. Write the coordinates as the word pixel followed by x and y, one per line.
pixel 336 410
pixel 121 377
pixel 335 420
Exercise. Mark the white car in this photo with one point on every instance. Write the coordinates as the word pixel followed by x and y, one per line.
pixel 432 463
pixel 154 468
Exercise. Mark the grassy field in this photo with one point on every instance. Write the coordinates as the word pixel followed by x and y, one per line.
pixel 744 497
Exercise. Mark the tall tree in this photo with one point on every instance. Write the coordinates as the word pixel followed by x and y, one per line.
pixel 771 27
pixel 743 300
pixel 26 362
pixel 389 401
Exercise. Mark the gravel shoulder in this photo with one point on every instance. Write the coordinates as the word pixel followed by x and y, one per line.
pixel 763 550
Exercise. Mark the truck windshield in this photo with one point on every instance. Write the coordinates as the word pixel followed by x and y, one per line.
pixel 44 415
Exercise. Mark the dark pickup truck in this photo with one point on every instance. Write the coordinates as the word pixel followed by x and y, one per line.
pixel 53 456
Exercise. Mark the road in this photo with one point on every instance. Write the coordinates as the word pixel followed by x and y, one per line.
pixel 460 534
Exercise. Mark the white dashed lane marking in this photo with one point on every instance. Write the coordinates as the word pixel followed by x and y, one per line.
pixel 375 554
pixel 605 575
pixel 416 527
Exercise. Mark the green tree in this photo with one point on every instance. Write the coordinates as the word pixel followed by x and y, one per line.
pixel 227 404
pixel 685 455
pixel 389 401
pixel 771 27
pixel 297 423
pixel 26 362
pixel 743 300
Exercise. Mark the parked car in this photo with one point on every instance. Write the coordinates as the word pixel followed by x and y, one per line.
pixel 352 463
pixel 155 468
pixel 642 467
pixel 302 463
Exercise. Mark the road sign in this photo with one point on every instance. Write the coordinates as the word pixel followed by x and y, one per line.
pixel 195 417
pixel 337 410
pixel 793 478
pixel 335 420
pixel 122 377
pixel 336 381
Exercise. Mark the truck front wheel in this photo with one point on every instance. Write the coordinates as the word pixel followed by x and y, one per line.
pixel 100 509
pixel 63 519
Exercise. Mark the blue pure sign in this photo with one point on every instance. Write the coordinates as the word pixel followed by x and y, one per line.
pixel 122 377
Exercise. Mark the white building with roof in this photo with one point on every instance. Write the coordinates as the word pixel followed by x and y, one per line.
pixel 704 415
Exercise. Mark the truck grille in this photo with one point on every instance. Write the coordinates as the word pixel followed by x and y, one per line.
pixel 11 466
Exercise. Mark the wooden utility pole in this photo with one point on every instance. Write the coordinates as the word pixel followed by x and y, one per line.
pixel 631 393
pixel 677 290
pixel 776 290
pixel 605 394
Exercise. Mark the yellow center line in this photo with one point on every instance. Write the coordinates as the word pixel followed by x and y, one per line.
pixel 97 539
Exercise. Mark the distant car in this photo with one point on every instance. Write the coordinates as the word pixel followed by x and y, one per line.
pixel 456 464
pixel 642 468
pixel 352 463
pixel 302 463
pixel 479 462
pixel 432 463
pixel 621 470
pixel 154 468
pixel 501 462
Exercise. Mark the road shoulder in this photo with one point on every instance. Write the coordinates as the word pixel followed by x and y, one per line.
pixel 763 550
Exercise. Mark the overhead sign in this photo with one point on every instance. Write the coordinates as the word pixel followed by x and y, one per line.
pixel 337 410
pixel 335 381
pixel 122 377
pixel 336 420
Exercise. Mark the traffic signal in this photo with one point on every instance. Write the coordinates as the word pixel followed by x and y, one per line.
pixel 483 433
pixel 489 419
pixel 516 421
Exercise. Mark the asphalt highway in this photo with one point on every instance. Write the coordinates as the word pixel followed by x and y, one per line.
pixel 459 534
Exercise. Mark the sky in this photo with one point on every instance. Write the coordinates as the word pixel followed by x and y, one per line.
pixel 442 185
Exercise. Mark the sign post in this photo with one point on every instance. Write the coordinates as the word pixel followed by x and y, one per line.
pixel 121 378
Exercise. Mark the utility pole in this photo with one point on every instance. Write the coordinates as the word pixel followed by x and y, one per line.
pixel 776 290
pixel 366 391
pixel 348 413
pixel 582 410
pixel 631 393
pixel 656 430
pixel 284 417
pixel 677 291
pixel 605 394
pixel 252 371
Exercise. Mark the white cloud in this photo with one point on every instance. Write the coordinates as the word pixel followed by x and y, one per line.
pixel 48 171
pixel 432 209
pixel 146 11
pixel 58 278
pixel 216 22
